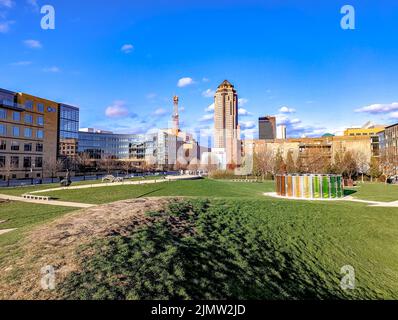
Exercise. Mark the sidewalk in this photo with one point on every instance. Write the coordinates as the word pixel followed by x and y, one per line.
pixel 348 198
pixel 49 202
pixel 124 183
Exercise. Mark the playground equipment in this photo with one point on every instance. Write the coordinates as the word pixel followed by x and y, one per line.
pixel 310 186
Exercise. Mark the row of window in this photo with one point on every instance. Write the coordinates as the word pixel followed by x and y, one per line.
pixel 29 106
pixel 16 132
pixel 17 146
pixel 28 162
pixel 28 118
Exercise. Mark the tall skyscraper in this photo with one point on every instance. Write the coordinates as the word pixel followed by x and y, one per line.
pixel 176 117
pixel 226 128
pixel 267 128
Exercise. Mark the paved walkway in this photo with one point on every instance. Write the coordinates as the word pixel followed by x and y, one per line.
pixel 348 198
pixel 3 231
pixel 48 202
pixel 6 230
pixel 124 183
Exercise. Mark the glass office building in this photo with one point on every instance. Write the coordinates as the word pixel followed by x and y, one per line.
pixel 100 144
pixel 68 122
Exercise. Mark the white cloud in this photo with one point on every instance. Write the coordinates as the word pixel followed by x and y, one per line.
pixel 208 93
pixel 6 3
pixel 206 118
pixel 393 115
pixel 53 69
pixel 247 124
pixel 117 109
pixel 183 82
pixel 34 4
pixel 287 110
pixel 34 44
pixel 205 79
pixel 159 112
pixel 243 112
pixel 5 26
pixel 21 63
pixel 210 108
pixel 379 108
pixel 242 101
pixel 127 48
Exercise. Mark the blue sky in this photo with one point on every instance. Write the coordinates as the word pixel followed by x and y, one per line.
pixel 121 61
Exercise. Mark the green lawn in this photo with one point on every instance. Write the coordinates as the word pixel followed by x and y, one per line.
pixel 24 216
pixel 237 244
pixel 17 191
pixel 192 188
pixel 245 249
pixel 375 192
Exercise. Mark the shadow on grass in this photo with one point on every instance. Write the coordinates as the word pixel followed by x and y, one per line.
pixel 348 192
pixel 148 193
pixel 195 251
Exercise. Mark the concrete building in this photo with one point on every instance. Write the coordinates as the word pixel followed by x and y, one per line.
pixel 161 149
pixel 304 147
pixel 267 128
pixel 281 132
pixel 390 139
pixel 226 127
pixel 371 130
pixel 29 135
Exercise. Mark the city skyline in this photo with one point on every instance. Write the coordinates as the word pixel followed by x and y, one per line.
pixel 123 78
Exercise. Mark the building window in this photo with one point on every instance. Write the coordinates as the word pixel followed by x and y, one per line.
pixel 3 114
pixel 39 134
pixel 15 131
pixel 14 146
pixel 3 129
pixel 28 118
pixel 39 147
pixel 15 162
pixel 28 147
pixel 40 107
pixel 40 121
pixel 2 161
pixel 28 133
pixel 29 104
pixel 3 145
pixel 16 116
pixel 39 162
pixel 27 162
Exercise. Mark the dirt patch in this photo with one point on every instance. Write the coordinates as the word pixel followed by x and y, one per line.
pixel 54 244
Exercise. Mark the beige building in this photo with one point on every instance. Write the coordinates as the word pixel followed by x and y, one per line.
pixel 303 147
pixel 28 135
pixel 226 127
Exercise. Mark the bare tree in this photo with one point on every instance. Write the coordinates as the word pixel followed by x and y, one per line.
pixel 290 165
pixel 84 161
pixel 362 162
pixel 317 160
pixel 126 166
pixel 263 163
pixel 53 167
pixel 107 164
pixel 6 169
pixel 349 164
